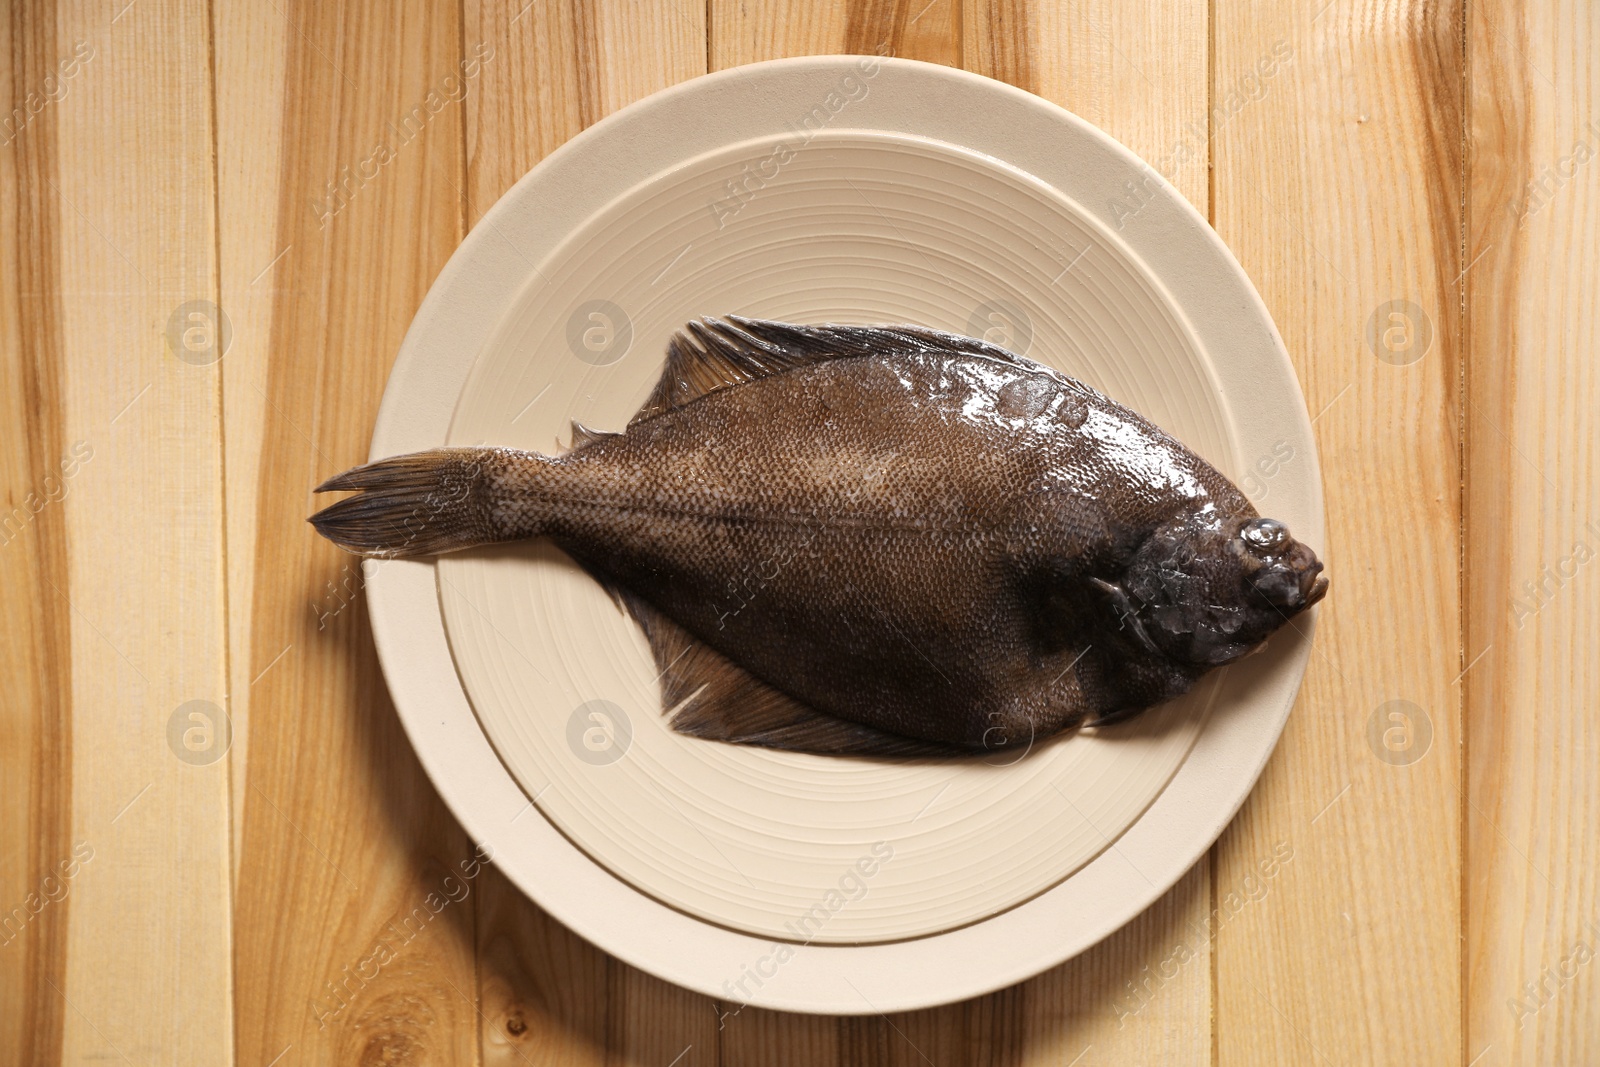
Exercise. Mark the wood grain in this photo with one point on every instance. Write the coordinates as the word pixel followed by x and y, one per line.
pixel 251 40
pixel 302 896
pixel 1338 181
pixel 1139 72
pixel 1533 528
pixel 36 643
pixel 356 908
pixel 122 620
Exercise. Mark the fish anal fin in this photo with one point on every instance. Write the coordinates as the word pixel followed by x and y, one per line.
pixel 712 698
pixel 714 353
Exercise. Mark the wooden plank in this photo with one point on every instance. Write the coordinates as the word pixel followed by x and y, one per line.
pixel 755 1035
pixel 558 68
pixel 1136 71
pixel 356 890
pixel 251 42
pixel 36 642
pixel 1338 184
pixel 1533 530
pixel 546 992
pixel 987 1031
pixel 548 996
pixel 1142 995
pixel 126 582
pixel 739 33
pixel 774 29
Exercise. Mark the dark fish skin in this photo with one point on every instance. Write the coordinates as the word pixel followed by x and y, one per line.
pixel 921 534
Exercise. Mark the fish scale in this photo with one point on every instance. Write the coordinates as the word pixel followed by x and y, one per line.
pixel 875 540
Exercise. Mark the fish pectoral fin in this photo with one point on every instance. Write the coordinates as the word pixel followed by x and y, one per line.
pixel 713 353
pixel 1126 613
pixel 711 697
pixel 1111 718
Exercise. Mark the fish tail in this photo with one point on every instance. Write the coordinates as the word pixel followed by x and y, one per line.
pixel 436 501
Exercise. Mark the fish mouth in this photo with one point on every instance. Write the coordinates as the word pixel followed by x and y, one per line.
pixel 1313 587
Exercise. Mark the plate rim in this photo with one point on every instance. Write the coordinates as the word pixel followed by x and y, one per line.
pixel 943 967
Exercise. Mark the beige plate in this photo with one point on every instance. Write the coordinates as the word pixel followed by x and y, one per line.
pixel 820 189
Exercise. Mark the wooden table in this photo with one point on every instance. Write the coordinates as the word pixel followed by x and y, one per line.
pixel 1410 187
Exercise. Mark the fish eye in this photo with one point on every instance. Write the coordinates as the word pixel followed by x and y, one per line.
pixel 1266 535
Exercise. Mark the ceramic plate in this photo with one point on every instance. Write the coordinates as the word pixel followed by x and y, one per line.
pixel 843 189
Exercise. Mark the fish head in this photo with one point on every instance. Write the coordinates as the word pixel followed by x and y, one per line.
pixel 1206 589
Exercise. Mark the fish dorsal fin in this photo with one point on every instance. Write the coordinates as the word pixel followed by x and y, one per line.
pixel 710 354
pixel 584 435
pixel 713 698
